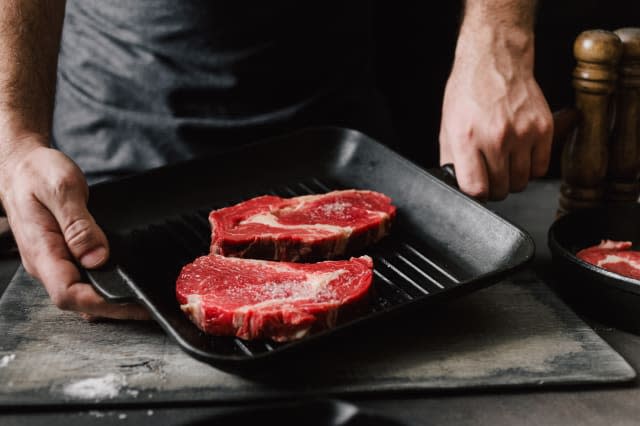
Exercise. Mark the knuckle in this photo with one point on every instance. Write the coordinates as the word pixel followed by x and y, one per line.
pixel 467 133
pixel 78 233
pixel 523 128
pixel 545 126
pixel 62 184
pixel 457 139
pixel 499 134
pixel 25 166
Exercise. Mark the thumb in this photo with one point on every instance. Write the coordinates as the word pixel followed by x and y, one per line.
pixel 84 238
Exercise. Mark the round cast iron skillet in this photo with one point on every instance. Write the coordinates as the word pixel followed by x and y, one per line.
pixel 596 293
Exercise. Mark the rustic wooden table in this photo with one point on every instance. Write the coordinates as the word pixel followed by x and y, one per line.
pixel 534 210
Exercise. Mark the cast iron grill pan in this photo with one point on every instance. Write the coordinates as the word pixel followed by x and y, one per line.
pixel 411 268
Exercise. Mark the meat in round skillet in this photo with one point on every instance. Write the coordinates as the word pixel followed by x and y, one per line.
pixel 614 256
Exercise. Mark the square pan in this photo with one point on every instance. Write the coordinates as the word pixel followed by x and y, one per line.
pixel 443 243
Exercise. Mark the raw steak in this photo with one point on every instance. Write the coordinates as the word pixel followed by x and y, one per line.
pixel 310 227
pixel 282 301
pixel 614 256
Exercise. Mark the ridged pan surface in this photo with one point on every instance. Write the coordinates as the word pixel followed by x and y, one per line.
pixel 443 244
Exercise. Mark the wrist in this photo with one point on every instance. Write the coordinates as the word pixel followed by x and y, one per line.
pixel 504 47
pixel 498 29
pixel 16 121
pixel 16 142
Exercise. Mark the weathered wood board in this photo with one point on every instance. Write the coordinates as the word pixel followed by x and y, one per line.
pixel 516 333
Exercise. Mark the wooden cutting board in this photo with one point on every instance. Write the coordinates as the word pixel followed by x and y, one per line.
pixel 516 333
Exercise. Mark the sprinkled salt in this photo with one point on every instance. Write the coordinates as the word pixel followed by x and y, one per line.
pixel 336 208
pixel 133 392
pixel 99 387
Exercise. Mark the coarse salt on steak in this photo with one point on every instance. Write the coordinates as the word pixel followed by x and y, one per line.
pixel 255 299
pixel 310 227
pixel 614 256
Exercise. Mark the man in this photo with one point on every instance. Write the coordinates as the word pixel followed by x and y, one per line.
pixel 143 84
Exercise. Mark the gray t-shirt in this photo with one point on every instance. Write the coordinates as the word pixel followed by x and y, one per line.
pixel 144 83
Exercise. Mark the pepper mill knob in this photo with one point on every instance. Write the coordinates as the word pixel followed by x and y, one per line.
pixel 630 38
pixel 584 157
pixel 599 48
pixel 624 164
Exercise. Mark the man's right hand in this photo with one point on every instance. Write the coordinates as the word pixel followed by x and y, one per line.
pixel 44 194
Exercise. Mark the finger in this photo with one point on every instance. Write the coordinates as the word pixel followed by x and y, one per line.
pixel 540 157
pixel 471 173
pixel 94 306
pixel 46 257
pixel 541 151
pixel 84 238
pixel 498 171
pixel 67 291
pixel 519 170
pixel 446 157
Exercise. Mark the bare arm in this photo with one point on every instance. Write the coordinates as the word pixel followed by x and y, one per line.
pixel 43 192
pixel 29 40
pixel 496 126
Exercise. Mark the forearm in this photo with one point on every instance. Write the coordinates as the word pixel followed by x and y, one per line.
pixel 498 28
pixel 496 125
pixel 504 13
pixel 29 43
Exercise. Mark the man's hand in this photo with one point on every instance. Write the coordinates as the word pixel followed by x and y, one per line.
pixel 496 125
pixel 43 192
pixel 45 195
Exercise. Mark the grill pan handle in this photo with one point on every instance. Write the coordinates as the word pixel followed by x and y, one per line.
pixel 109 280
pixel 111 284
pixel 448 175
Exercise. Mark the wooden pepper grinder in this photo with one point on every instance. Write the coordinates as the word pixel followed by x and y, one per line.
pixel 624 152
pixel 584 157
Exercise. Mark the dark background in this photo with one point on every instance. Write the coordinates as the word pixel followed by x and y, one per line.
pixel 415 43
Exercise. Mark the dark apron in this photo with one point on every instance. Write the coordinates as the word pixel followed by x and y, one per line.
pixel 146 83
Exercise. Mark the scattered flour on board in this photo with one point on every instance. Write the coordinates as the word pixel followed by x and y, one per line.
pixel 133 392
pixel 5 360
pixel 99 387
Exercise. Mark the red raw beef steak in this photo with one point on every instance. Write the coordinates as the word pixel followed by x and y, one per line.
pixel 256 299
pixel 614 256
pixel 310 227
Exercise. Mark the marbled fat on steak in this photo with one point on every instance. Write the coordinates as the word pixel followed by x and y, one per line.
pixel 259 299
pixel 614 256
pixel 310 227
